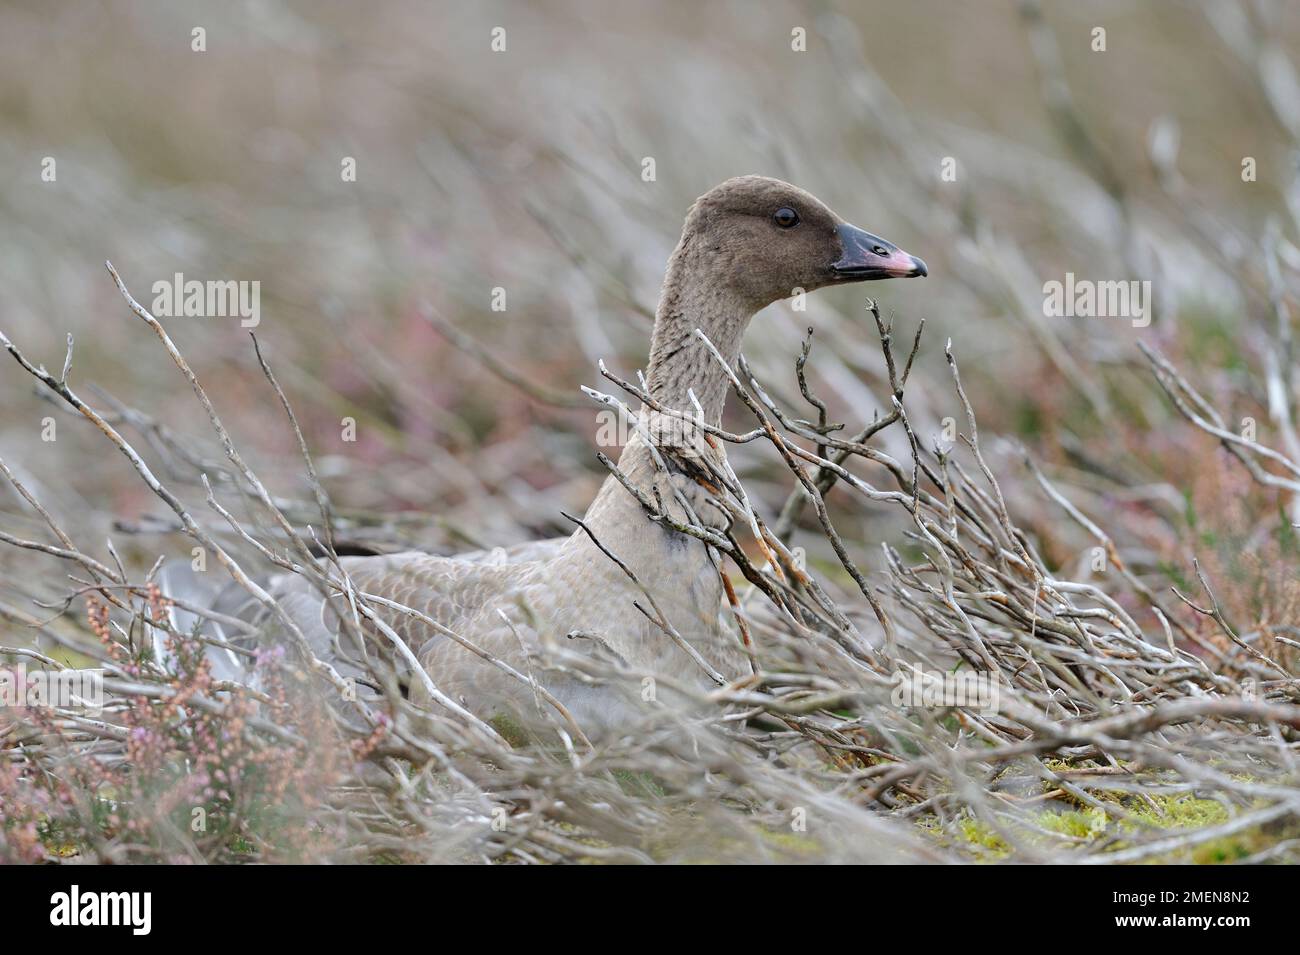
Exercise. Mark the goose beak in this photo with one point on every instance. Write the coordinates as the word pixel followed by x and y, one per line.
pixel 866 257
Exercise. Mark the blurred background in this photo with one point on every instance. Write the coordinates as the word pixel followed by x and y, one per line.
pixel 523 170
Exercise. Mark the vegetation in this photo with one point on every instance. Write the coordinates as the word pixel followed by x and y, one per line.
pixel 1094 517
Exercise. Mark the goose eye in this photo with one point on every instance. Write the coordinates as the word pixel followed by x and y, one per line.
pixel 786 217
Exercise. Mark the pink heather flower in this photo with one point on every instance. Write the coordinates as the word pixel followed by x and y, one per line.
pixel 268 655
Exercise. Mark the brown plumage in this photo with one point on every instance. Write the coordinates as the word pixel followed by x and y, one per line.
pixel 745 244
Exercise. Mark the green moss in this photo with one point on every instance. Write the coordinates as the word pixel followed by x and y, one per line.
pixel 1120 816
pixel 1220 851
pixel 510 729
pixel 241 846
pixel 1178 811
pixel 982 838
pixel 639 784
pixel 1086 823
pixel 792 844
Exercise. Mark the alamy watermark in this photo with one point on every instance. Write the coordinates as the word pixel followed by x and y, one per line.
pixel 614 428
pixel 1084 298
pixel 914 687
pixel 213 299
pixel 133 910
pixel 66 689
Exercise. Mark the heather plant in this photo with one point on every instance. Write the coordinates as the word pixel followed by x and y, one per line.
pixel 1094 675
pixel 177 768
pixel 1097 516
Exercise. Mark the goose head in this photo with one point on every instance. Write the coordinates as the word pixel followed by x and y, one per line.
pixel 764 239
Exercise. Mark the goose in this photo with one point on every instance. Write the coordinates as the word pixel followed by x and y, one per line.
pixel 745 244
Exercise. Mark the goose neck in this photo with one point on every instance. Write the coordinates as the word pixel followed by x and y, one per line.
pixel 681 364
